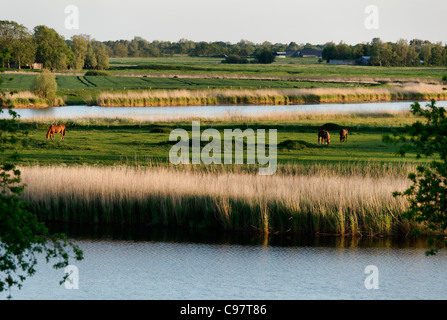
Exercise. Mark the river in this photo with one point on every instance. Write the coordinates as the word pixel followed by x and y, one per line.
pixel 173 113
pixel 162 265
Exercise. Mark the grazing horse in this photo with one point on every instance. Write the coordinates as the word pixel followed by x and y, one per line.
pixel 324 137
pixel 55 129
pixel 344 135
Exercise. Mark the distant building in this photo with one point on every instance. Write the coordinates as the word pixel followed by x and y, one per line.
pixel 281 54
pixel 309 53
pixel 36 65
pixel 364 60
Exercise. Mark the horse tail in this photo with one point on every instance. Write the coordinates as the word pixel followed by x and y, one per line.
pixel 48 133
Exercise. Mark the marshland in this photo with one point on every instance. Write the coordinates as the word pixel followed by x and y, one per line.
pixel 110 185
pixel 137 142
pixel 116 171
pixel 190 231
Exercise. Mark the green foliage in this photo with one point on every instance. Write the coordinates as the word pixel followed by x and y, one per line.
pixel 97 73
pixel 45 85
pixel 444 78
pixel 265 56
pixel 235 60
pixel 22 236
pixel 428 193
pixel 51 49
pixel 294 145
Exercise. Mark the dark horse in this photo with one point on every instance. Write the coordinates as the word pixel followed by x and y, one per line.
pixel 55 129
pixel 344 135
pixel 324 137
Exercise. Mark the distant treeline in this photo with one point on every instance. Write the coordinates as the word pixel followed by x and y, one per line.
pixel 20 47
pixel 139 47
pixel 401 53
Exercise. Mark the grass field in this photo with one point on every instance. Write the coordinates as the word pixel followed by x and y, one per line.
pixel 70 82
pixel 199 73
pixel 78 89
pixel 120 141
pixel 282 67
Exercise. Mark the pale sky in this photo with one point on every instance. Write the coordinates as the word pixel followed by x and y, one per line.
pixel 283 21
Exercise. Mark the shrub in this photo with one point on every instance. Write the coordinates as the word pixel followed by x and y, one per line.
pixel 45 85
pixel 265 56
pixel 294 145
pixel 97 73
pixel 444 78
pixel 234 59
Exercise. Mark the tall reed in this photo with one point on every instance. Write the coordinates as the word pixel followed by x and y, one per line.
pixel 269 96
pixel 290 201
pixel 27 99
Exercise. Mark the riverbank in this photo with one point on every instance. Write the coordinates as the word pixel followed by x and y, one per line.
pixel 317 202
pixel 26 99
pixel 267 96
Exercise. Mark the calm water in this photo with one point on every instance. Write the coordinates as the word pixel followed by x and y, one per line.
pixel 154 113
pixel 159 265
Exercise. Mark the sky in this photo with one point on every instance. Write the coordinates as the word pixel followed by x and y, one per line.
pixel 276 21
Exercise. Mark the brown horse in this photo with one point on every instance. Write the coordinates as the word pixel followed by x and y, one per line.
pixel 324 137
pixel 56 129
pixel 344 135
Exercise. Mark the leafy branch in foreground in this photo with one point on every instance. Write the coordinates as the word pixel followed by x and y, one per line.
pixel 23 239
pixel 427 195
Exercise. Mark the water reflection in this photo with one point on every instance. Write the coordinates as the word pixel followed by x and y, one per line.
pixel 180 235
pixel 147 263
pixel 154 113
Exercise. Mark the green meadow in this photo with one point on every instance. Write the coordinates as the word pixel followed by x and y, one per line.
pixel 202 73
pixel 281 67
pixel 114 142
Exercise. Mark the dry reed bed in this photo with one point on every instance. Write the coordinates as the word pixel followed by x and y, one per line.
pixel 385 116
pixel 320 202
pixel 269 96
pixel 27 99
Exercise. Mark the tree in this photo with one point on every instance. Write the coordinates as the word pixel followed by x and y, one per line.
pixel 427 195
pixel 22 236
pixel 329 51
pixel 51 49
pixel 120 49
pixel 265 56
pixel 79 44
pixel 438 55
pixel 45 85
pixel 101 56
pixel 90 58
pixel 5 56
